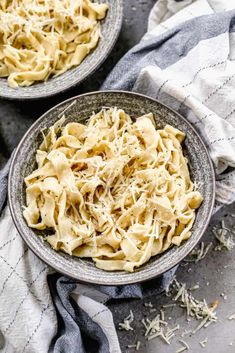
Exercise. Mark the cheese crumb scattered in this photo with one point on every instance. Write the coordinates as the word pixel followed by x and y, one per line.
pixel 184 348
pixel 185 333
pixel 198 254
pixel 158 327
pixel 135 346
pixel 152 310
pixel 169 305
pixel 224 296
pixel 232 317
pixel 204 342
pixel 194 307
pixel 181 350
pixel 126 324
pixel 224 238
pixel 162 314
pixel 194 287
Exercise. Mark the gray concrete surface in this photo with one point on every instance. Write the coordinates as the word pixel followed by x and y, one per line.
pixel 218 268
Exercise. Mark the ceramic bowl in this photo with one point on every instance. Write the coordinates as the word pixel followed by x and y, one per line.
pixel 79 109
pixel 110 28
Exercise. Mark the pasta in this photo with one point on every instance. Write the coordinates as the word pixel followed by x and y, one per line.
pixel 41 38
pixel 115 190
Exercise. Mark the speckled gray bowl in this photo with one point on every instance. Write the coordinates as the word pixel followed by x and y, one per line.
pixel 110 28
pixel 79 109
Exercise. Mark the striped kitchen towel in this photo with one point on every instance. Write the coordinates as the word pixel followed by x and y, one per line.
pixel 186 60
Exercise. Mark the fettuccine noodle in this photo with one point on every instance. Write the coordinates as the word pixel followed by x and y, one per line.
pixel 43 38
pixel 115 190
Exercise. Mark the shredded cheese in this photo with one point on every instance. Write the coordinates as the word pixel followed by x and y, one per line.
pixel 102 189
pixel 184 348
pixel 184 344
pixel 232 317
pixel 126 324
pixel 204 342
pixel 158 327
pixel 198 254
pixel 223 295
pixel 169 305
pixel 152 310
pixel 196 286
pixel 194 307
pixel 224 237
pixel 135 346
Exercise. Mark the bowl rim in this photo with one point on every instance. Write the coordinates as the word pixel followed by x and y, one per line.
pixel 100 60
pixel 98 281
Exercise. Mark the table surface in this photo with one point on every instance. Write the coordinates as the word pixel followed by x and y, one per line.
pixel 215 273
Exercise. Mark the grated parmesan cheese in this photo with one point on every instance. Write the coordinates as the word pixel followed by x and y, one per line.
pixel 224 237
pixel 224 296
pixel 185 333
pixel 194 307
pixel 135 346
pixel 194 287
pixel 46 38
pixel 204 342
pixel 162 314
pixel 232 317
pixel 126 324
pixel 199 253
pixel 181 350
pixel 158 327
pixel 152 310
pixel 184 348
